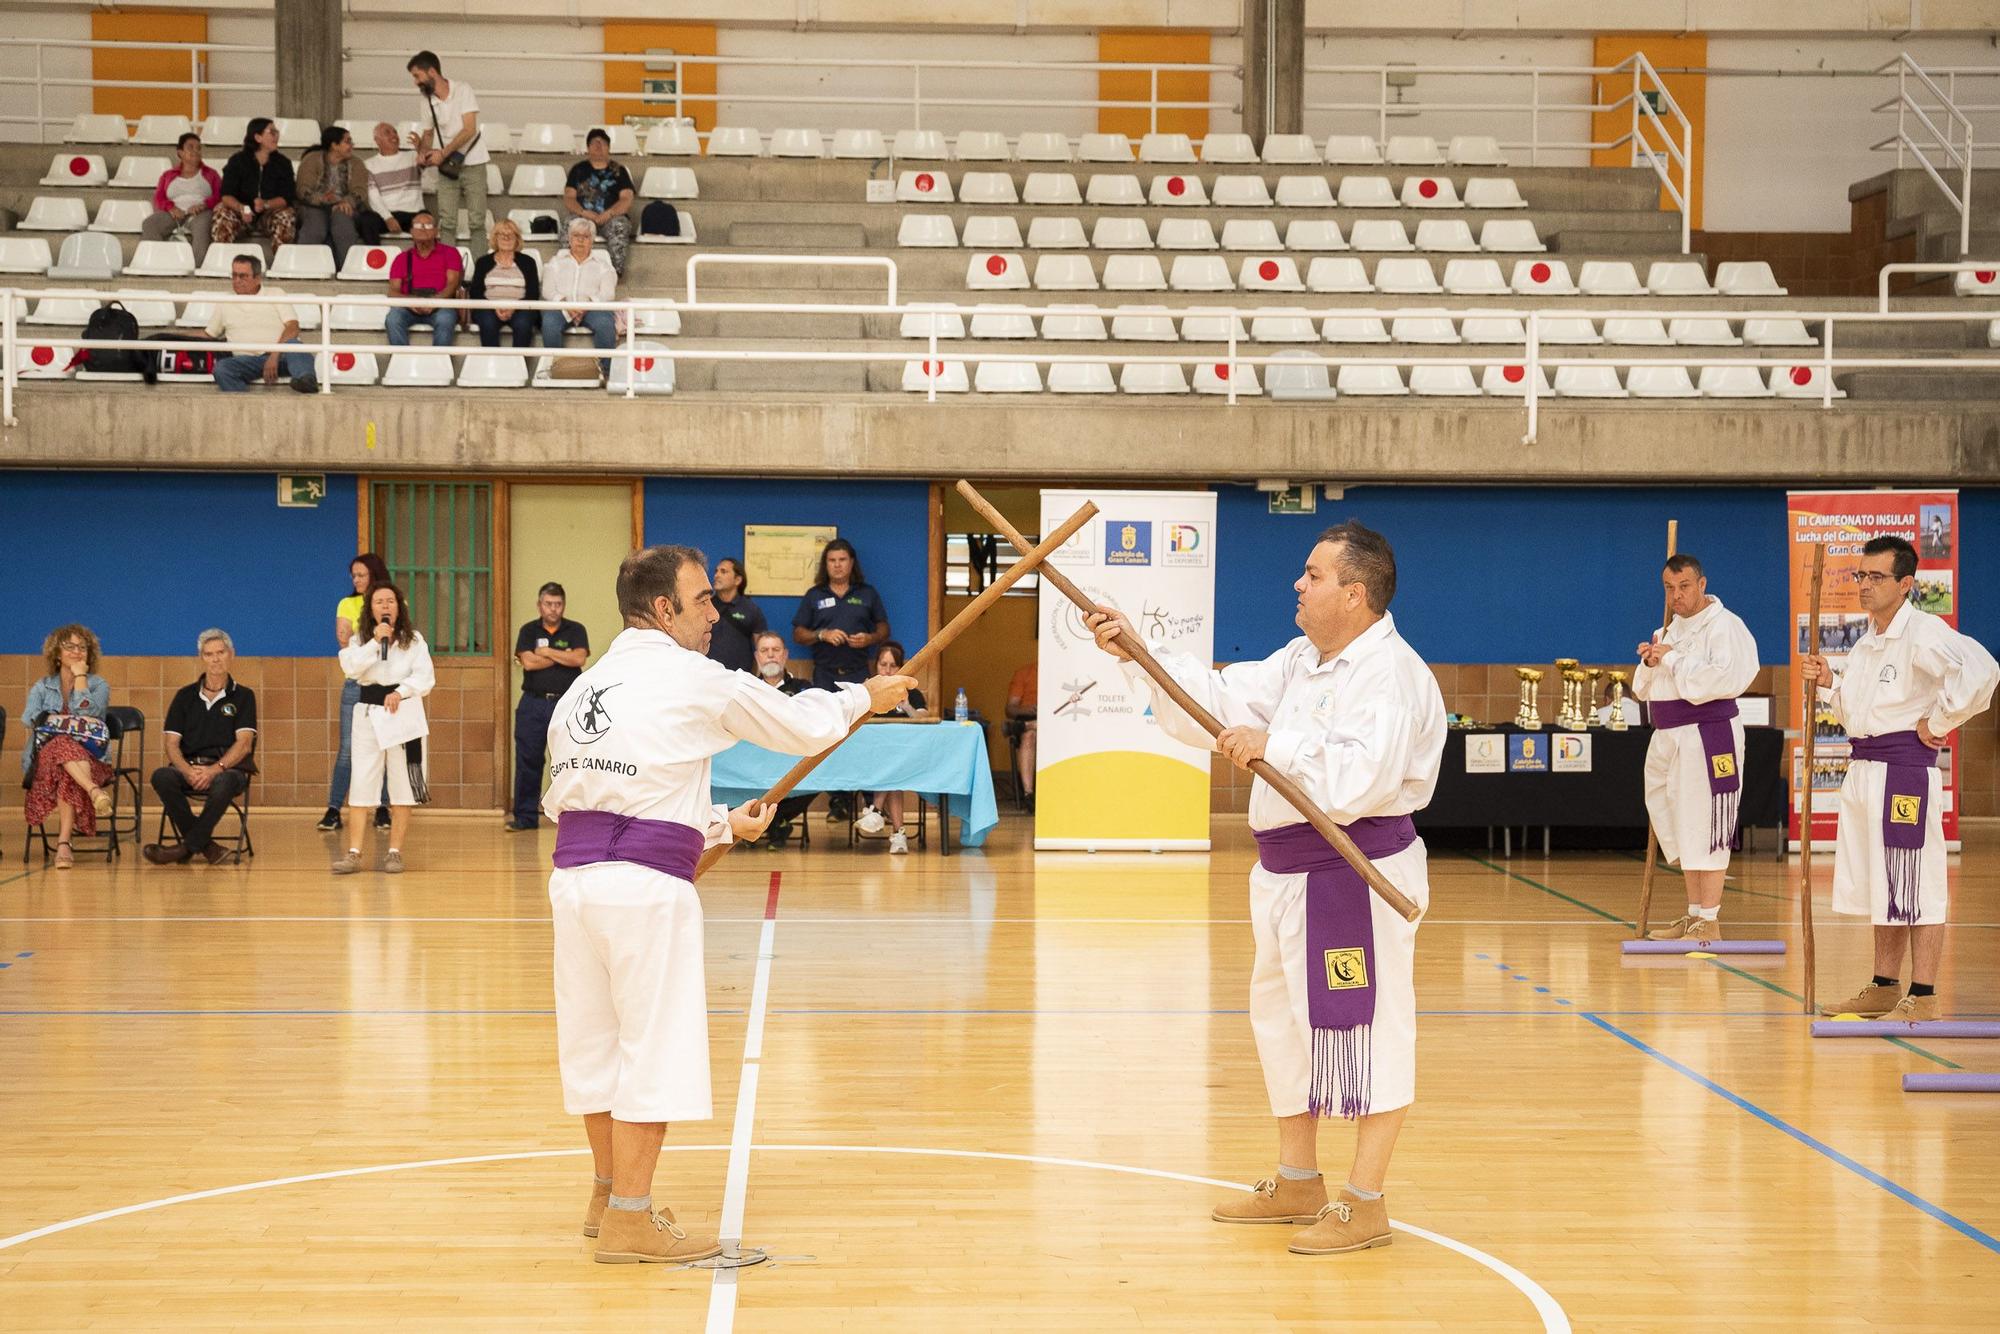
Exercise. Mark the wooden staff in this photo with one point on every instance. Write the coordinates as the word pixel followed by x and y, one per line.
pixel 1031 557
pixel 1652 834
pixel 1284 786
pixel 1806 792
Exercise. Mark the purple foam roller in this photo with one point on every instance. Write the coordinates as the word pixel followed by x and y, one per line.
pixel 1712 947
pixel 1952 1081
pixel 1877 1028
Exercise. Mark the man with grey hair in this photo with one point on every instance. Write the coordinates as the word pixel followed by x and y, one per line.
pixel 211 730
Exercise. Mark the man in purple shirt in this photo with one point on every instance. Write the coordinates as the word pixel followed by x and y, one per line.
pixel 425 269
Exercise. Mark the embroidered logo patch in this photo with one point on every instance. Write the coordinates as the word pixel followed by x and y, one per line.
pixel 1903 810
pixel 1723 765
pixel 1346 969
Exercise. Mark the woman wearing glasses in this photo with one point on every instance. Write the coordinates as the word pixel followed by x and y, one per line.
pixel 63 765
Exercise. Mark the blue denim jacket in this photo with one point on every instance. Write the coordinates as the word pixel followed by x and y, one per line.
pixel 46 696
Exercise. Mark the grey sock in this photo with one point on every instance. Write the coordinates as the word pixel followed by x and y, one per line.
pixel 632 1203
pixel 1295 1174
pixel 1361 1194
pixel 598 1180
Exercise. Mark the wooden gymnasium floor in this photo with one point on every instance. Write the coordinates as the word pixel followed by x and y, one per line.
pixel 994 1090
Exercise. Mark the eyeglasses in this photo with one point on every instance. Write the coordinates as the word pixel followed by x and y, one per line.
pixel 74 646
pixel 1872 577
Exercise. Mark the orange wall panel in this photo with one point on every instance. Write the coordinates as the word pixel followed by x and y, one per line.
pixel 1178 48
pixel 1690 91
pixel 688 39
pixel 144 26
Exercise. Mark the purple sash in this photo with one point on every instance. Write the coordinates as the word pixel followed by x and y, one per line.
pixel 1718 748
pixel 1340 950
pixel 1906 796
pixel 583 837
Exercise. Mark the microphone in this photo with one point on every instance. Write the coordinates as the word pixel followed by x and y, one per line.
pixel 386 620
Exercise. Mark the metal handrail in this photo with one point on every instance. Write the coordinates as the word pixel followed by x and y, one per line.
pixel 196 83
pixel 1905 105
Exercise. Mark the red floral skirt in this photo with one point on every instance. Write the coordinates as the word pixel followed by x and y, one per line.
pixel 52 783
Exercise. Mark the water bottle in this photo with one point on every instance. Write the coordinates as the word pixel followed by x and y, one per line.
pixel 959 712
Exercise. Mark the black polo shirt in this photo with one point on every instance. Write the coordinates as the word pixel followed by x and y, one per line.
pixel 206 730
pixel 857 611
pixel 733 641
pixel 552 680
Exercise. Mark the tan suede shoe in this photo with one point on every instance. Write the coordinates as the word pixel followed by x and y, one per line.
pixel 630 1237
pixel 1871 1002
pixel 1674 930
pixel 1275 1200
pixel 593 1213
pixel 1348 1224
pixel 1915 1010
pixel 1703 930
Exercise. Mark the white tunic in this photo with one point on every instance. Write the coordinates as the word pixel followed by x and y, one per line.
pixel 1711 656
pixel 1917 669
pixel 1363 733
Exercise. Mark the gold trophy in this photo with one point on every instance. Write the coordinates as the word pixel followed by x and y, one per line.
pixel 1618 723
pixel 1529 717
pixel 1590 696
pixel 1566 711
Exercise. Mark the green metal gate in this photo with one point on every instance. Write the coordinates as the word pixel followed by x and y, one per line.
pixel 437 538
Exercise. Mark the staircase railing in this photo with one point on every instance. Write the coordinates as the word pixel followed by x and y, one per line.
pixel 1940 130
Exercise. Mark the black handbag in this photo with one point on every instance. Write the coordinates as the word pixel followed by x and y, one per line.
pixel 453 163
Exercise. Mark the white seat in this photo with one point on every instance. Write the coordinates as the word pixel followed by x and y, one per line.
pixel 1690 332
pixel 791 143
pixel 1354 329
pixel 1678 277
pixel 1114 191
pixel 1176 192
pixel 1065 273
pixel 1801 382
pixel 44 363
pixel 1967 282
pixel 660 321
pixel 1216 378
pixel 1269 273
pixel 1304 192
pixel 981 146
pixel 351 368
pixel 1200 273
pixel 1228 148
pixel 1134 273
pixel 1447 234
pixel 498 137
pixel 1050 187
pixel 88 129
pixel 1378 234
pixel 1251 234
pixel 995 271
pixel 1103 148
pixel 987 187
pixel 1636 333
pixel 197 314
pixel 1423 329
pixel 418 370
pixel 346 317
pixel 1777 333
pixel 1732 382
pixel 226 132
pixel 308 316
pixel 537 181
pixel 71 311
pixel 852 143
pixel 1542 277
pixel 1599 380
pixel 1043 146
pixel 1081 377
pixel 1443 381
pixel 161 130
pixel 1370 381
pixel 1007 377
pixel 1610 277
pixel 1413 150
pixel 647 374
pixel 1352 150
pixel 1290 150
pixel 926 229
pixel 547 137
pixel 493 370
pixel 89 255
pixel 1329 273
pixel 1205 324
pixel 1056 232
pixel 923 187
pixel 1118 234
pixel 1241 192
pixel 669 183
pixel 138 172
pixel 302 263
pixel 1474 150
pixel 150 259
pixel 126 217
pixel 987 231
pixel 1166 148
pixel 1185 234
pixel 1746 278
pixel 1474 277
pixel 297 132
pixel 1512 381
pixel 927 145
pixel 1659 379
pixel 1405 276
pixel 1300 377
pixel 30 254
pixel 1143 324
pixel 366 264
pixel 496 184
pixel 1365 192
pixel 1493 192
pixel 947 377
pixel 1430 192
pixel 678 138
pixel 1568 331
pixel 1314 234
pixel 746 141
pixel 76 169
pixel 991 320
pixel 1512 235
pixel 1493 329
pixel 55 213
pixel 1151 379
pixel 1072 324
pixel 1284 324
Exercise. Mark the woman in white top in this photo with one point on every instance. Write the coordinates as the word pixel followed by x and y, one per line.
pixel 392 665
pixel 580 273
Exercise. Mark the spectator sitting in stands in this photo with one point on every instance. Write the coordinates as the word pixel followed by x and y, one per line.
pixel 769 652
pixel 425 269
pixel 506 274
pixel 185 197
pixel 257 322
pixel 580 274
pixel 257 190
pixel 64 763
pixel 211 730
pixel 395 186
pixel 601 190
pixel 333 194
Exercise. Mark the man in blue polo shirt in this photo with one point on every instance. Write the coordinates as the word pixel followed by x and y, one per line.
pixel 840 618
pixel 551 651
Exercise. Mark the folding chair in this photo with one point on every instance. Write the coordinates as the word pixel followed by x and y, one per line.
pixel 120 721
pixel 239 843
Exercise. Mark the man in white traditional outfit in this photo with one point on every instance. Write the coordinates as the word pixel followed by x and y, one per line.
pixel 1690 675
pixel 1908 684
pixel 629 747
pixel 1352 713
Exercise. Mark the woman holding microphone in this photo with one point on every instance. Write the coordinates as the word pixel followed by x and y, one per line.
pixel 391 664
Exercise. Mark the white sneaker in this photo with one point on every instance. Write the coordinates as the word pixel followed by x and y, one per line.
pixel 870 821
pixel 899 842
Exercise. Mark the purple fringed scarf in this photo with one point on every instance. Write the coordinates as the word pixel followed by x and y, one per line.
pixel 1906 798
pixel 1340 950
pixel 1718 747
pixel 583 837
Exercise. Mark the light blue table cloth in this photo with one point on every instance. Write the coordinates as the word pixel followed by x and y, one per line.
pixel 932 758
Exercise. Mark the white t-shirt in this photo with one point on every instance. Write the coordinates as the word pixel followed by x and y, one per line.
pixel 251 322
pixel 452 110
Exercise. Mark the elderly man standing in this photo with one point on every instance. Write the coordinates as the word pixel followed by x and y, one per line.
pixel 1909 684
pixel 1690 676
pixel 211 731
pixel 1351 712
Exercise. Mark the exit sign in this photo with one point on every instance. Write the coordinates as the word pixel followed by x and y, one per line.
pixel 301 490
pixel 1300 499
